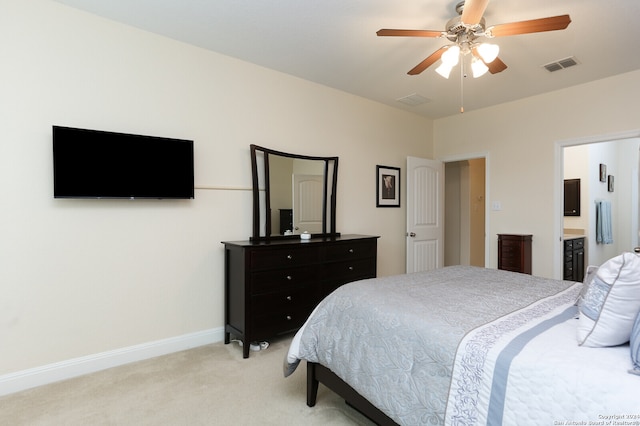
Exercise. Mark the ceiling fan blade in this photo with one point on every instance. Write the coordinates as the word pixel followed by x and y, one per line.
pixel 473 10
pixel 533 26
pixel 496 66
pixel 409 33
pixel 428 61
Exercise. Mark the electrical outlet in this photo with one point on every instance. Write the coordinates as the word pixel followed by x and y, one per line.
pixel 496 206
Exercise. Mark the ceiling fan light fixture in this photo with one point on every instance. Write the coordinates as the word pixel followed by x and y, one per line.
pixel 488 52
pixel 478 68
pixel 444 70
pixel 451 56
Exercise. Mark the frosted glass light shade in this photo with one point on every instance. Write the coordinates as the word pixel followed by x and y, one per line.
pixel 488 52
pixel 444 70
pixel 478 68
pixel 451 56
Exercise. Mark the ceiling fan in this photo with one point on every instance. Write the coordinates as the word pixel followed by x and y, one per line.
pixel 465 30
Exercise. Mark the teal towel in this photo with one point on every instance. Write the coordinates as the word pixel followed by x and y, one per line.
pixel 604 230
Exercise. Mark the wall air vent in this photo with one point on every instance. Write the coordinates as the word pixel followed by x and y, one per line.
pixel 561 64
pixel 413 100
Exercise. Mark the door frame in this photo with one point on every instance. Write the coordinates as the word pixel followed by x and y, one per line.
pixel 559 186
pixel 487 184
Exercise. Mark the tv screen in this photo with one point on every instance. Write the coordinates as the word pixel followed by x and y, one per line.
pixel 99 164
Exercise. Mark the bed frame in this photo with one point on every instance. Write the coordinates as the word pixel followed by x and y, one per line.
pixel 317 373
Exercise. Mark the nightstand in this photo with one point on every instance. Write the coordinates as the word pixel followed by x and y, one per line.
pixel 514 252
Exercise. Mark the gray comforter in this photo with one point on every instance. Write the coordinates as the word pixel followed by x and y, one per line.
pixel 394 339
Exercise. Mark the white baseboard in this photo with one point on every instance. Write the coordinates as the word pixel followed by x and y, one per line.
pixel 33 377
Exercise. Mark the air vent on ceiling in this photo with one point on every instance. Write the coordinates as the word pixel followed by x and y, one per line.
pixel 561 64
pixel 413 100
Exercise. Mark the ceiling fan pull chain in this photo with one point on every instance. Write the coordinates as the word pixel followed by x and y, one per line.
pixel 462 86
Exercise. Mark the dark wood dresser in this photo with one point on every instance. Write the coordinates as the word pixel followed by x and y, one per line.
pixel 574 267
pixel 514 252
pixel 271 287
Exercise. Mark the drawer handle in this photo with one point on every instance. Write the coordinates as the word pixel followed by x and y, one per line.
pixel 289 277
pixel 289 298
pixel 288 317
pixel 350 250
pixel 351 268
pixel 289 257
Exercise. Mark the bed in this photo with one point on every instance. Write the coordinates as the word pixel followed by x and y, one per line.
pixel 465 345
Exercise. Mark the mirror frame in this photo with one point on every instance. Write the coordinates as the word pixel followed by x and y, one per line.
pixel 330 183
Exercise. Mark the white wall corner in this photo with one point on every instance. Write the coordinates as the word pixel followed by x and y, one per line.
pixel 38 376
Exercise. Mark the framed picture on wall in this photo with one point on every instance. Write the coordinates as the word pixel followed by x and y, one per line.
pixel 603 172
pixel 387 186
pixel 610 183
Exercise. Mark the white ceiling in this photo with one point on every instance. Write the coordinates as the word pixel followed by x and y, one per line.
pixel 334 43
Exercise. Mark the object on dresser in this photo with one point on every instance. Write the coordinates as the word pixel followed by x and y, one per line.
pixel 514 252
pixel 271 287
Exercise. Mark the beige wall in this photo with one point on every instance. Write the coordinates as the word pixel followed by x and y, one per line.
pixel 81 277
pixel 521 140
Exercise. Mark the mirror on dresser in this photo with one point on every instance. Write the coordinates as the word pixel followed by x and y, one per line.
pixel 292 194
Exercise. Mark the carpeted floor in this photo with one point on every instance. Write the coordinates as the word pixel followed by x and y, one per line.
pixel 210 385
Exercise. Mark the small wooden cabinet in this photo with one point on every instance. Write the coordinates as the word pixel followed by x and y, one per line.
pixel 573 269
pixel 271 287
pixel 514 252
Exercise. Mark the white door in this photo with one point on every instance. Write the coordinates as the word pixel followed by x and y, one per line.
pixel 308 192
pixel 425 214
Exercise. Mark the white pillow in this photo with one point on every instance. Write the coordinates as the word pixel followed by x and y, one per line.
pixel 588 277
pixel 611 303
pixel 635 347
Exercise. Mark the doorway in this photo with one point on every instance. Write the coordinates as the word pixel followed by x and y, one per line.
pixel 620 154
pixel 465 212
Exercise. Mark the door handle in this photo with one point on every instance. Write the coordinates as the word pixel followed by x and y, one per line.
pixel 411 234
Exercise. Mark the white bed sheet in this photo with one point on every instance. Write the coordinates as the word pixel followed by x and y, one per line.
pixel 553 381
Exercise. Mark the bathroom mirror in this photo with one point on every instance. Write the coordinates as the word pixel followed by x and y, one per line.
pixel 292 194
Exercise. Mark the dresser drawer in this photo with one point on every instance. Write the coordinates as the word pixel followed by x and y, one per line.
pixel 351 270
pixel 284 301
pixel 278 258
pixel 512 268
pixel 509 263
pixel 268 325
pixel 351 250
pixel 279 279
pixel 511 248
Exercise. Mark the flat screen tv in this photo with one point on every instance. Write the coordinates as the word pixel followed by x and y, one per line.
pixel 99 164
